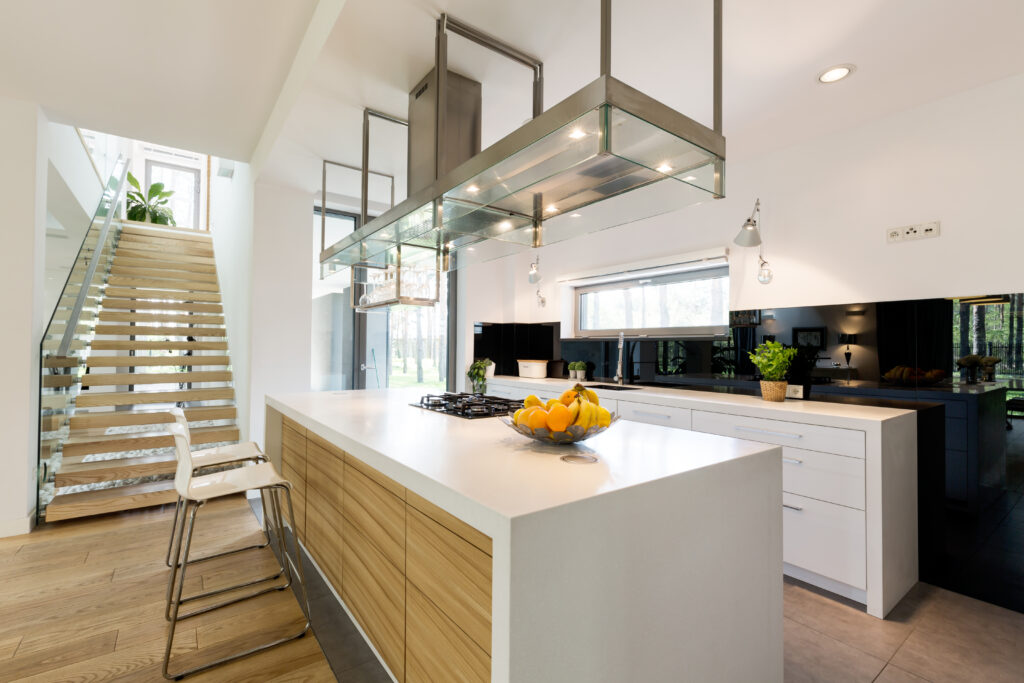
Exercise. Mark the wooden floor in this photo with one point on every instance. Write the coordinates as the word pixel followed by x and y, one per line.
pixel 83 601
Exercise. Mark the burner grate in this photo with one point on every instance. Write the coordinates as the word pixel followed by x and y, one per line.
pixel 469 406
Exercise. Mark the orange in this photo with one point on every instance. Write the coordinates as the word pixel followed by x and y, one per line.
pixel 568 396
pixel 559 418
pixel 521 414
pixel 536 419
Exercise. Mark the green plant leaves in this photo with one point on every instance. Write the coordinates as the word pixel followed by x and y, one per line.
pixel 151 207
pixel 133 182
pixel 773 360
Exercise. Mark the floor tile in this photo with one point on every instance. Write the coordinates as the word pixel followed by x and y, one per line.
pixel 811 656
pixel 894 674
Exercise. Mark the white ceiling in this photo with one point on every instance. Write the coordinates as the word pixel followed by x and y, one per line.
pixel 907 53
pixel 195 74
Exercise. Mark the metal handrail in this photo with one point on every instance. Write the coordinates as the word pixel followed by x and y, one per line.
pixel 90 271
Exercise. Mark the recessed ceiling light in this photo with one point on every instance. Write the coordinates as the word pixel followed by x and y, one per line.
pixel 836 73
pixel 551 208
pixel 472 189
pixel 575 215
pixel 576 134
pixel 690 178
pixel 664 168
pixel 505 225
pixel 470 248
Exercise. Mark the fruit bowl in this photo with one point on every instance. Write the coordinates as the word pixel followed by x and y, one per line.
pixel 572 434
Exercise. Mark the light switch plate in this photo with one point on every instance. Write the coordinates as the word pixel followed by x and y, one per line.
pixel 795 391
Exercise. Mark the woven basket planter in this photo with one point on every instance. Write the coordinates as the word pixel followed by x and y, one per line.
pixel 773 391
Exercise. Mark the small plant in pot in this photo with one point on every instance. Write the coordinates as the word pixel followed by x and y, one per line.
pixel 478 373
pixel 772 359
pixel 151 206
pixel 578 370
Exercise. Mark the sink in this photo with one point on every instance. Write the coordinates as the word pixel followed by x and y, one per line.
pixel 612 387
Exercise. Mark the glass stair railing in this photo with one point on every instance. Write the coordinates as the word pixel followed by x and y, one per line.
pixel 66 341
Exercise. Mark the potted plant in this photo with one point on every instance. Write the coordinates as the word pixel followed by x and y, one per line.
pixel 478 373
pixel 150 207
pixel 578 370
pixel 772 359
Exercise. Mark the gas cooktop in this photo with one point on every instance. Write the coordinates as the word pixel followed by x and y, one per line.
pixel 469 406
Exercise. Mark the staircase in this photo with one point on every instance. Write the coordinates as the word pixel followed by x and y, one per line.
pixel 150 336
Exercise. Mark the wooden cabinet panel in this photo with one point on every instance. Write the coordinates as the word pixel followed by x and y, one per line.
pixel 315 440
pixel 375 512
pixel 293 438
pixel 323 535
pixel 436 649
pixel 374 589
pixel 325 472
pixel 385 481
pixel 453 573
pixel 298 500
pixel 451 522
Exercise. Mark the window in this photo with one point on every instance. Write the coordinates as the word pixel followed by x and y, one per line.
pixel 185 184
pixel 686 303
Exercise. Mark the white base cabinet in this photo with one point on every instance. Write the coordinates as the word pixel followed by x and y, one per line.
pixel 849 479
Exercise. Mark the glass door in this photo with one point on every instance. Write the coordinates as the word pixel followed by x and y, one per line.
pixel 185 183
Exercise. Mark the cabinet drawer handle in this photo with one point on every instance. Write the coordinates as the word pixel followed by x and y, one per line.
pixel 793 461
pixel 754 430
pixel 792 507
pixel 645 413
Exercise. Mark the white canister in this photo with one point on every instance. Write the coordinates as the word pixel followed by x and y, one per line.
pixel 533 368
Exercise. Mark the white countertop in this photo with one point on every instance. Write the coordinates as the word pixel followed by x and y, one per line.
pixel 824 413
pixel 484 472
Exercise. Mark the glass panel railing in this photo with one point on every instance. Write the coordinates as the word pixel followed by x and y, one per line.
pixel 65 343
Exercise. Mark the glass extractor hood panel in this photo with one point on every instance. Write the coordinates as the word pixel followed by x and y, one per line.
pixel 601 155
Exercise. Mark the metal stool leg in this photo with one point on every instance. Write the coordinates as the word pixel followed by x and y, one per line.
pixel 174 529
pixel 304 606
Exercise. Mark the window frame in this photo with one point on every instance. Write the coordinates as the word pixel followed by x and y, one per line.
pixel 197 193
pixel 703 272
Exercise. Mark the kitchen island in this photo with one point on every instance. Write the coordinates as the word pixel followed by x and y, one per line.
pixel 465 551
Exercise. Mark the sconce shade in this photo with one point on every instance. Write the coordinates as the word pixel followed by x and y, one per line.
pixel 749 235
pixel 847 338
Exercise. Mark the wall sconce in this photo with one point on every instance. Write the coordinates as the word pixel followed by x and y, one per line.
pixel 750 236
pixel 847 339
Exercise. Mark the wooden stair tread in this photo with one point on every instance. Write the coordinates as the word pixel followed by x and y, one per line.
pixel 135 378
pixel 144 361
pixel 162 295
pixel 157 265
pixel 101 501
pixel 128 252
pixel 79 446
pixel 188 319
pixel 126 398
pixel 143 228
pixel 98 471
pixel 147 417
pixel 135 345
pixel 132 304
pixel 162 283
pixel 160 331
pixel 162 274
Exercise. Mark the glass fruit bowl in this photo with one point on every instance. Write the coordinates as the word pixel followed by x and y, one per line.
pixel 572 433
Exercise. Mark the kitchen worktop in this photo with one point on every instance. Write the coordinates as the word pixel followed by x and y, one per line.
pixel 824 412
pixel 484 472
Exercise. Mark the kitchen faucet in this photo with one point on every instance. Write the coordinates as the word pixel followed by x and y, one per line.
pixel 618 370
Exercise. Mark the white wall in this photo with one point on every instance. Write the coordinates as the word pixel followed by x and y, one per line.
pixel 231 226
pixel 826 204
pixel 23 171
pixel 281 296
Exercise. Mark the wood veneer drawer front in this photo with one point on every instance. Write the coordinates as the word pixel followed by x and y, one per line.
pixel 323 535
pixel 314 439
pixel 293 459
pixel 293 439
pixel 436 649
pixel 299 505
pixel 453 573
pixel 451 522
pixel 824 538
pixel 659 415
pixel 374 589
pixel 377 513
pixel 291 424
pixel 298 481
pixel 385 481
pixel 832 478
pixel 849 442
pixel 325 472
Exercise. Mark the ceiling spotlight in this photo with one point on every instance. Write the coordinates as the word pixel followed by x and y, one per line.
pixel 575 215
pixel 551 208
pixel 505 225
pixel 749 235
pixel 664 168
pixel 472 189
pixel 577 133
pixel 836 73
pixel 690 178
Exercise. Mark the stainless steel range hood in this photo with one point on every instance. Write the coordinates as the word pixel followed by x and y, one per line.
pixel 605 156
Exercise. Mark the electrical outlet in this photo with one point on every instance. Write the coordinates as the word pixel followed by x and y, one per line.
pixel 917 231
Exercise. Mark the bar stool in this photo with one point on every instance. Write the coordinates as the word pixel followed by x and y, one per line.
pixel 219 456
pixel 196 491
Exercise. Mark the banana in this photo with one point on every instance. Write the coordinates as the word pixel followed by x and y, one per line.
pixel 591 396
pixel 574 411
pixel 586 416
pixel 604 418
